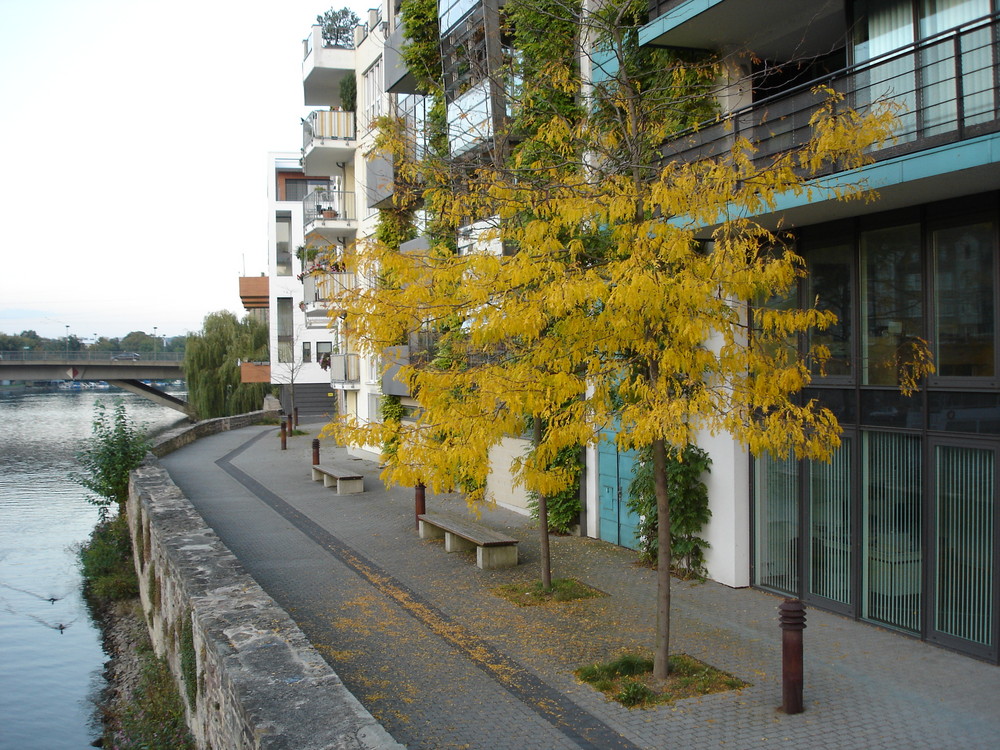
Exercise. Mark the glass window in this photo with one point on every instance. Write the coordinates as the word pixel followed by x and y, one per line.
pixel 973 412
pixel 307 351
pixel 283 245
pixel 891 301
pixel 838 400
pixel 830 526
pixel 776 523
pixel 285 330
pixel 891 527
pixel 964 317
pixel 373 85
pixel 828 287
pixel 963 543
pixel 890 408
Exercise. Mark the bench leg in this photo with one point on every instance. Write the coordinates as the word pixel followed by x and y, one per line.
pixel 494 558
pixel 316 475
pixel 455 543
pixel 329 481
pixel 430 531
pixel 350 486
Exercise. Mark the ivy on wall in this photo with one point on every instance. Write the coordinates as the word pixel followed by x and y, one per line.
pixel 689 511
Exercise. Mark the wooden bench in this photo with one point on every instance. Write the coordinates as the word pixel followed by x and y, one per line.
pixel 343 482
pixel 493 549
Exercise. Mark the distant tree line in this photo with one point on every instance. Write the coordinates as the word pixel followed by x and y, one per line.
pixel 136 341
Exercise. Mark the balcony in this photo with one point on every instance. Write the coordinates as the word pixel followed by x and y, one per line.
pixel 474 112
pixel 254 292
pixel 331 214
pixel 328 141
pixel 944 84
pixel 345 370
pixel 323 68
pixel 393 358
pixel 774 30
pixel 318 286
pixel 398 78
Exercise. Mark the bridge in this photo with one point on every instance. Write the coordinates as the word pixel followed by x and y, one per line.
pixel 126 370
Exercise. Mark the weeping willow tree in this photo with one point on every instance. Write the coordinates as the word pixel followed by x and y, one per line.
pixel 211 365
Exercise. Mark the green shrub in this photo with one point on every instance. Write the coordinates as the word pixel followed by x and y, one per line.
pixel 117 446
pixel 562 508
pixel 689 511
pixel 106 563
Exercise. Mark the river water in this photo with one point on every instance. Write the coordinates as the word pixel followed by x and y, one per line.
pixel 50 652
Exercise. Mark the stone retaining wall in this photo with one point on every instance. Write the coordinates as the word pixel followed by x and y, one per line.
pixel 248 676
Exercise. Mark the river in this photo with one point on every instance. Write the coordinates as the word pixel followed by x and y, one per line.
pixel 50 652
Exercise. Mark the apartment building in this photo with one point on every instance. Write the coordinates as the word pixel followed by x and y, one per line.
pixel 901 528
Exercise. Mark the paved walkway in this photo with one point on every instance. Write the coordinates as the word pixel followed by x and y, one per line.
pixel 443 663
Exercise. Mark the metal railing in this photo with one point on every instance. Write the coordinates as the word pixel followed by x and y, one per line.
pixel 33 355
pixel 345 368
pixel 320 285
pixel 331 205
pixel 328 125
pixel 945 86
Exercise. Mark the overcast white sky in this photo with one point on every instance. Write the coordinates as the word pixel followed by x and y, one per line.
pixel 135 136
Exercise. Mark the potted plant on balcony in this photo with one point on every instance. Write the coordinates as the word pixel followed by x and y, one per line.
pixel 325 206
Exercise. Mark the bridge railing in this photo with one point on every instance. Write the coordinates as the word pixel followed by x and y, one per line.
pixel 32 355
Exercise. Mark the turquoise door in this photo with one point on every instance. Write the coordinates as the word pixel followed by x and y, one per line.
pixel 614 468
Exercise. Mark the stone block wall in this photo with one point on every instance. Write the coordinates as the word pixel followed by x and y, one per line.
pixel 248 676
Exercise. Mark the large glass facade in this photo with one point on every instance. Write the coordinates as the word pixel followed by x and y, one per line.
pixel 900 527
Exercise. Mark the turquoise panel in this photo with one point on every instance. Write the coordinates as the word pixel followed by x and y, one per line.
pixel 617 523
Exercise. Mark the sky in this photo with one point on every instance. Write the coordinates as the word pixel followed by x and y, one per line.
pixel 134 137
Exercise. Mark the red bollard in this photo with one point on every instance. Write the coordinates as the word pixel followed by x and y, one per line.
pixel 284 437
pixel 315 451
pixel 295 411
pixel 419 501
pixel 792 620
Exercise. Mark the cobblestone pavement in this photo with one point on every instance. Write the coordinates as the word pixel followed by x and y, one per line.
pixel 442 662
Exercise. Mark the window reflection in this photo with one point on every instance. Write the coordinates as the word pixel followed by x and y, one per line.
pixel 828 287
pixel 892 290
pixel 963 301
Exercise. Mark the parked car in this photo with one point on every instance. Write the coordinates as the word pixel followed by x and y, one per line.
pixel 126 356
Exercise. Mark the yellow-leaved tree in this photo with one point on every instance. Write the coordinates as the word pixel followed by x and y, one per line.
pixel 603 286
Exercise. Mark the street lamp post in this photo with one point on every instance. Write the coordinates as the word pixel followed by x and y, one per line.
pixel 67 342
pixel 154 342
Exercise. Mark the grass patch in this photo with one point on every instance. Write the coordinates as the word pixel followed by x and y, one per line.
pixel 296 432
pixel 532 593
pixel 154 718
pixel 629 680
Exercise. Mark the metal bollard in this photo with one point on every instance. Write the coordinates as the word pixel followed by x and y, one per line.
pixel 792 620
pixel 419 501
pixel 284 436
pixel 295 412
pixel 315 451
pixel 290 425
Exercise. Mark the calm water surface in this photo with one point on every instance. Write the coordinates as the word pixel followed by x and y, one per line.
pixel 50 653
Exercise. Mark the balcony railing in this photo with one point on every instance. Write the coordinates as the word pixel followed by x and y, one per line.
pixel 322 126
pixel 945 85
pixel 329 204
pixel 320 285
pixel 345 368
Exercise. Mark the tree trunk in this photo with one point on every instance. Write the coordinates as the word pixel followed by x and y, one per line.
pixel 661 655
pixel 543 516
